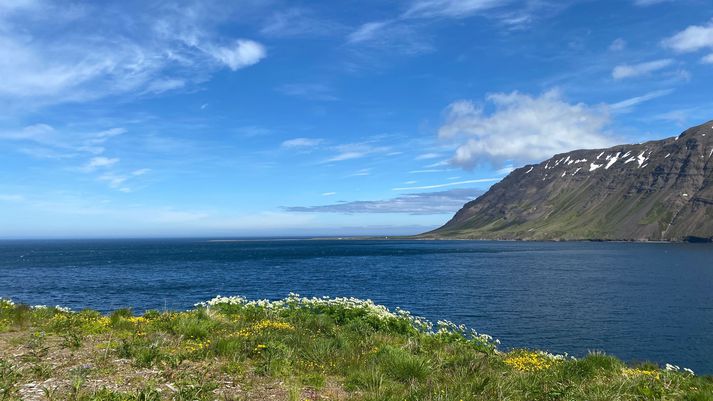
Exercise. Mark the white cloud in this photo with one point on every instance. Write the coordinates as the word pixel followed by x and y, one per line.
pixel 636 70
pixel 329 193
pixel 242 54
pixel 349 155
pixel 708 59
pixel 522 128
pixel 426 156
pixel 101 161
pixel 98 55
pixel 140 172
pixel 297 143
pixel 368 31
pixel 448 184
pixel 450 8
pixel 693 38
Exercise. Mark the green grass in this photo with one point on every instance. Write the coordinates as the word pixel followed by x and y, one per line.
pixel 298 349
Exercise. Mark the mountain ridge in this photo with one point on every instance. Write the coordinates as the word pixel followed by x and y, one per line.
pixel 653 191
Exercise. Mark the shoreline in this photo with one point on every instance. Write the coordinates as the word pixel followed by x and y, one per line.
pixel 297 349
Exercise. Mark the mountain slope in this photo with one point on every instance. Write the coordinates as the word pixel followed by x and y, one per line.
pixel 659 190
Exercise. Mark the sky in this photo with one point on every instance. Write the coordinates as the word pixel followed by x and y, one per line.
pixel 286 118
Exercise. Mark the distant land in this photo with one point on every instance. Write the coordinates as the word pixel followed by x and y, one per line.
pixel 653 191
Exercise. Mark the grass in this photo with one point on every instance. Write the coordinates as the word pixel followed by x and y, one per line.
pixel 298 349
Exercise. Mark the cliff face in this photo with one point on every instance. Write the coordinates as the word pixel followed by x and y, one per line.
pixel 659 190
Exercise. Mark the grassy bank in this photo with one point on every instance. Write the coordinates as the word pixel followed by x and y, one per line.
pixel 298 349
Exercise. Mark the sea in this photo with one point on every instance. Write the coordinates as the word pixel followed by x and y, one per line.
pixel 637 301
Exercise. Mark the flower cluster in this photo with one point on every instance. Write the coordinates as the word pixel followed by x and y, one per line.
pixel 676 368
pixel 366 308
pixel 6 303
pixel 264 325
pixel 641 373
pixel 529 361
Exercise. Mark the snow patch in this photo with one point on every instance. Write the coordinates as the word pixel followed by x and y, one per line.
pixel 641 159
pixel 667 156
pixel 600 155
pixel 594 166
pixel 531 168
pixel 612 161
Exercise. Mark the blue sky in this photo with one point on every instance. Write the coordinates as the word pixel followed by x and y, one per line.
pixel 262 117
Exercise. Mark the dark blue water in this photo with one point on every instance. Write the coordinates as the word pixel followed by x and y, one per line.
pixel 637 301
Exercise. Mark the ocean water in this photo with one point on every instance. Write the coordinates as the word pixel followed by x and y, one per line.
pixel 636 301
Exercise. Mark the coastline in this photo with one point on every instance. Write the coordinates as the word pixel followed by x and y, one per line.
pixel 298 349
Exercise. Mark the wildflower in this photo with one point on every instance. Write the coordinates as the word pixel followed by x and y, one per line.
pixel 641 372
pixel 527 361
pixel 672 368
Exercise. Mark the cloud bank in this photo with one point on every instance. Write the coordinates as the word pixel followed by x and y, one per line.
pixel 427 203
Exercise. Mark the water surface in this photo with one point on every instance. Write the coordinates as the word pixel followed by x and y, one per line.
pixel 637 301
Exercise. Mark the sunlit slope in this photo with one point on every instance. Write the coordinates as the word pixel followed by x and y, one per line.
pixel 659 190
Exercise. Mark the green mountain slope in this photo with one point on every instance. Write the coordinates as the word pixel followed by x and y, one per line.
pixel 659 190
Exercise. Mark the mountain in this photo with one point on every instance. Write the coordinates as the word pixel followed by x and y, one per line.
pixel 658 190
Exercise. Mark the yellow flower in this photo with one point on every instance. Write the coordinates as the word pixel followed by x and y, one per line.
pixel 527 361
pixel 641 373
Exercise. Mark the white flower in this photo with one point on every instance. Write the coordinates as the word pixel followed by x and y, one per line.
pixel 672 368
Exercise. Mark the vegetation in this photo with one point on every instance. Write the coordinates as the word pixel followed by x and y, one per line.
pixel 298 349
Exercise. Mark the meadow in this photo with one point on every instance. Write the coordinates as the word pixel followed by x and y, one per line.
pixel 305 349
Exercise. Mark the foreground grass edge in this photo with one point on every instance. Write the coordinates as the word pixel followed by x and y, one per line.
pixel 231 348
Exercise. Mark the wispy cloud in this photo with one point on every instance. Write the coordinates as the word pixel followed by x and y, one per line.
pixel 299 22
pixel 449 184
pixel 99 162
pixel 641 69
pixel 522 128
pixel 427 203
pixel 426 156
pixel 62 143
pixel 98 54
pixel 301 143
pixel 451 8
pixel 631 102
pixel 402 32
pixel 351 151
